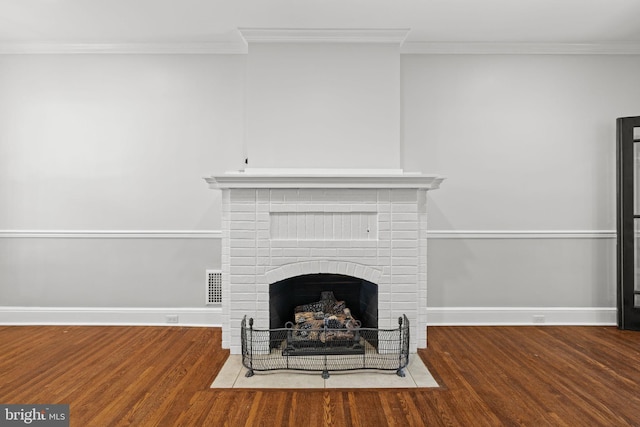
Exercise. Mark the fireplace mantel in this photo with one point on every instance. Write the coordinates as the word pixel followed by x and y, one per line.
pixel 324 178
pixel 368 224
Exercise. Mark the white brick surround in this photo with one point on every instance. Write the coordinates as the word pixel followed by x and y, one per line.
pixel 285 224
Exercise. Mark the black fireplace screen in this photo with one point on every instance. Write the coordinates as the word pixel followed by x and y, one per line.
pixel 328 346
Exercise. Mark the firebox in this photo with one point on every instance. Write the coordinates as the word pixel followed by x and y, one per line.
pixel 359 296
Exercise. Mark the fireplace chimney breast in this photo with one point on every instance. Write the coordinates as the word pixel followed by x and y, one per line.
pixel 323 98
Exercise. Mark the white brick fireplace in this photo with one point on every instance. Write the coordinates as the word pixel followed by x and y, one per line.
pixel 330 99
pixel 368 224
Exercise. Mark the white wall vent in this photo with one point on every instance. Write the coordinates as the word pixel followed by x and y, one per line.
pixel 214 287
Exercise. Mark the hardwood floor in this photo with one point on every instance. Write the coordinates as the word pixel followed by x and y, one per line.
pixel 493 376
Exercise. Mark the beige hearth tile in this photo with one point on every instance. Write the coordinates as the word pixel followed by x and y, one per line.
pixel 229 373
pixel 280 379
pixel 420 373
pixel 232 375
pixel 369 379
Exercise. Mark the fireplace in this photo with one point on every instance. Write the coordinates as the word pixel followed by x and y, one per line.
pixel 359 296
pixel 358 233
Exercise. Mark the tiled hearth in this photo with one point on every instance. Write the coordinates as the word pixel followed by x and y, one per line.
pixel 278 224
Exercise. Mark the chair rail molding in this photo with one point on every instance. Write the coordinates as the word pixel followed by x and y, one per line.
pixel 112 234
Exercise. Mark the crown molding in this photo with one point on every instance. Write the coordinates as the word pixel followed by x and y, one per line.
pixel 204 48
pixel 451 48
pixel 324 35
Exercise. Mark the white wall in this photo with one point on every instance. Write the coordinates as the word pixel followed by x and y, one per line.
pixel 108 143
pixel 528 144
pixel 121 142
pixel 323 105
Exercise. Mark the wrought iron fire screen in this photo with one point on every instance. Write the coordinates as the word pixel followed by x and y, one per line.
pixel 325 349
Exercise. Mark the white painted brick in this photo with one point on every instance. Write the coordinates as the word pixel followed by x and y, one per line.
pixel 263 208
pixel 357 252
pixel 242 234
pixel 403 207
pixel 276 252
pixel 376 276
pixel 406 252
pixel 334 208
pixel 363 243
pixel 242 207
pixel 404 297
pixel 384 235
pixel 241 278
pixel 313 266
pixel 384 207
pixel 305 194
pixel 291 230
pixel 242 270
pixel 342 268
pixel 403 235
pixel 263 195
pixel 405 226
pixel 242 306
pixel 296 252
pixel 368 208
pixel 318 224
pixel 307 207
pixel 383 304
pixel 402 288
pixel 243 243
pixel 292 195
pixel 404 195
pixel 244 289
pixel 383 195
pixel 282 208
pixel 408 308
pixel 336 243
pixel 403 216
pixel 242 225
pixel 362 260
pixel 243 195
pixel 273 276
pixel 404 269
pixel 362 195
pixel 323 252
pixel 242 261
pixel 283 260
pixel 244 216
pixel 411 243
pixel 284 243
pixel 403 261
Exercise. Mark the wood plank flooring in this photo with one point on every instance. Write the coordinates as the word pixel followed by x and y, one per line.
pixel 489 376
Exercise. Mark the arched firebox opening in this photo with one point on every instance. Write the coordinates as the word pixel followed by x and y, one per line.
pixel 360 297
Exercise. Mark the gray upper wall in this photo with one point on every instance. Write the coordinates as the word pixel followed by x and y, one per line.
pixel 121 142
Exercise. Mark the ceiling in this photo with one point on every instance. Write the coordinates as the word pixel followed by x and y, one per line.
pixel 216 21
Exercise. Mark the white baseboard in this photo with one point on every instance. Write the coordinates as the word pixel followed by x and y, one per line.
pixel 139 316
pixel 436 316
pixel 481 316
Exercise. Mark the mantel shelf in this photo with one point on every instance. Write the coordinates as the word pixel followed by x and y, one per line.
pixel 324 178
